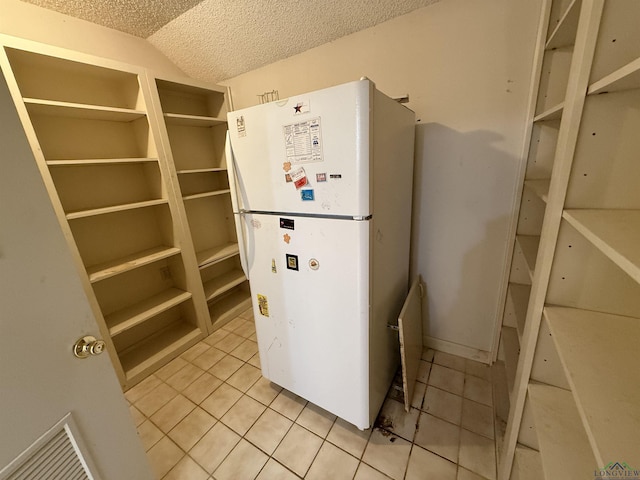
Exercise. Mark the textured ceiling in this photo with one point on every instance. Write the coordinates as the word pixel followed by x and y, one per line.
pixel 218 39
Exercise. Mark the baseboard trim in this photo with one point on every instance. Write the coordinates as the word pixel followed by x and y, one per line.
pixel 457 349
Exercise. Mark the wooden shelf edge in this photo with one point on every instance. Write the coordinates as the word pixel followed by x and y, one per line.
pixel 193 120
pixel 519 295
pixel 130 317
pixel 216 254
pixel 565 32
pixel 553 113
pixel 106 270
pixel 116 208
pixel 99 161
pixel 540 187
pixel 529 245
pixel 511 346
pixel 201 170
pixel 616 233
pixel 54 107
pixel 222 284
pixel 625 78
pixel 215 193
pixel 225 309
pixel 155 350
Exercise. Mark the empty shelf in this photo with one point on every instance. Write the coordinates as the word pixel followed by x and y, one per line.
pixel 625 78
pixel 98 161
pixel 121 265
pixel 539 187
pixel 519 297
pixel 528 464
pixel 599 354
pixel 192 120
pixel 225 282
pixel 565 32
pixel 511 347
pixel 206 194
pixel 79 110
pixel 564 448
pixel 529 246
pixel 215 254
pixel 143 356
pixel 615 232
pixel 126 318
pixel 115 208
pixel 201 170
pixel 553 113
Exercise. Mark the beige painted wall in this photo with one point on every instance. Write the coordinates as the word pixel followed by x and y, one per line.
pixel 46 26
pixel 466 66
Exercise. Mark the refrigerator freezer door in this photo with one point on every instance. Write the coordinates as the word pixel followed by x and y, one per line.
pixel 307 154
pixel 310 287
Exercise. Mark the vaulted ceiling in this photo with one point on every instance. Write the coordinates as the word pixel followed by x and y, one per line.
pixel 219 39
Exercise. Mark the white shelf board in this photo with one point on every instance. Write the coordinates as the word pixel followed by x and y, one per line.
pixel 130 262
pixel 519 296
pixel 206 194
pixel 614 232
pixel 553 113
pixel 540 187
pixel 225 282
pixel 215 254
pixel 141 357
pixel 201 170
pixel 129 317
pixel 80 110
pixel 192 120
pixel 116 208
pixel 511 346
pixel 599 354
pixel 99 161
pixel 565 32
pixel 529 245
pixel 625 78
pixel 527 464
pixel 564 448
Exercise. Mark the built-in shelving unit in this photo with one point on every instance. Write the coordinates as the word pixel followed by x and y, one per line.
pixel 574 403
pixel 195 130
pixel 105 136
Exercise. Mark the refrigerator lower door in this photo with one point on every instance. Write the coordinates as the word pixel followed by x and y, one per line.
pixel 309 282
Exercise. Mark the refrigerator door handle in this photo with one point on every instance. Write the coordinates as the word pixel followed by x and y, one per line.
pixel 231 171
pixel 233 188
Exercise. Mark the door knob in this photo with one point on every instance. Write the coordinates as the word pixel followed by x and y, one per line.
pixel 87 346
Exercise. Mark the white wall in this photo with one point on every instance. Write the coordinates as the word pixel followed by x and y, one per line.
pixel 466 66
pixel 46 26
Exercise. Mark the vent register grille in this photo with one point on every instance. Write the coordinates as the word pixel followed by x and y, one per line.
pixel 55 455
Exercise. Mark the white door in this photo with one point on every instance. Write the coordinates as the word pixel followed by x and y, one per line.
pixel 306 154
pixel 310 288
pixel 43 311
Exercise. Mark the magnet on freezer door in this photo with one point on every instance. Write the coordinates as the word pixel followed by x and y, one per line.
pixel 314 264
pixel 263 305
pixel 292 262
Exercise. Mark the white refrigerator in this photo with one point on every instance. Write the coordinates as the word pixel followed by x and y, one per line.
pixel 321 185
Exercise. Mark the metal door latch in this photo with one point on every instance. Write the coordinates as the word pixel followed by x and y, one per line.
pixel 87 346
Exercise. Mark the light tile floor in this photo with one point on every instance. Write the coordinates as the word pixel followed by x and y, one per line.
pixel 209 414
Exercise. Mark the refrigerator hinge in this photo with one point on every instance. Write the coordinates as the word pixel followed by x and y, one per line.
pixel 395 328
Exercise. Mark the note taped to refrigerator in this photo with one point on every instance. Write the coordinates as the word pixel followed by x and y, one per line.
pixel 303 141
